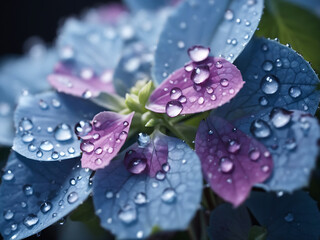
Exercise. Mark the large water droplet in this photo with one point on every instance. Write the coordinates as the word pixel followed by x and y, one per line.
pixel 226 165
pixel 82 128
pixel 173 108
pixel 27 137
pixel 45 207
pixel 143 140
pixel 135 163
pixel 289 217
pixel 28 190
pixel 198 53
pixel 87 147
pixel 46 146
pixel 270 84
pixel 168 195
pixel 267 66
pixel 127 214
pixel 175 93
pixel 260 129
pixel 25 124
pixel 294 92
pixel 63 132
pixel 140 198
pixel 160 175
pixel 200 74
pixel 228 15
pixel 30 220
pixel 254 154
pixel 233 146
pixel 72 197
pixel 280 117
pixel 8 175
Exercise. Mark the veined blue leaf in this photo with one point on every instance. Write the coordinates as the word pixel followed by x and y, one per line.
pixel 225 26
pixel 45 125
pixel 137 5
pixel 131 206
pixel 287 217
pixel 34 195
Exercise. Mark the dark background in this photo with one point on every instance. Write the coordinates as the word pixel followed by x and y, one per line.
pixel 21 19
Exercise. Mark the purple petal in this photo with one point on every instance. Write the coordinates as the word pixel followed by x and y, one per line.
pixel 86 84
pixel 104 141
pixel 148 155
pixel 110 13
pixel 197 87
pixel 232 162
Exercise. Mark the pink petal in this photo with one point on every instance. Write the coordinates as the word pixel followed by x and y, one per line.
pixel 87 85
pixel 152 157
pixel 232 162
pixel 215 82
pixel 104 141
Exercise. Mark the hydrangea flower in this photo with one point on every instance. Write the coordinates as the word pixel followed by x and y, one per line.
pixel 129 85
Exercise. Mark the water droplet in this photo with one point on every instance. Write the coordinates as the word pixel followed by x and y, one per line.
pixel 63 132
pixel 294 92
pixel 8 175
pixel 290 144
pixel 267 66
pixel 265 168
pixel 175 93
pixel 123 135
pixel 30 220
pixel 56 103
pixel 28 190
pixel 14 227
pixel 110 150
pixel 140 234
pixel 263 101
pixel 289 217
pixel 269 84
pixel 125 123
pixel 234 146
pixel 201 100
pixel 98 161
pixel 200 74
pixel 168 195
pixel 224 82
pixel 160 175
pixel 39 154
pixel 127 214
pixel 260 129
pixel 188 67
pixel 109 194
pixel 32 147
pixel 234 41
pixel 183 25
pixel 251 2
pixel 219 64
pixel 98 150
pixel 134 163
pixel 72 197
pixel 27 137
pixel 198 53
pixel 46 146
pixel 140 198
pixel 182 99
pixel 87 147
pixel 45 207
pixel 8 215
pixel 226 165
pixel 43 104
pixel 73 182
pixel 143 140
pixel 166 167
pixel 173 108
pixel 87 94
pixel 71 150
pixel 25 124
pixel 278 63
pixel 280 117
pixel 254 154
pixel 180 44
pixel 228 15
pixel 213 97
pixel 82 128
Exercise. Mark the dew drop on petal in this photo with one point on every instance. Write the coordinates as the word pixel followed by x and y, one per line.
pixel 175 93
pixel 226 165
pixel 233 146
pixel 173 108
pixel 267 66
pixel 82 128
pixel 27 137
pixel 224 82
pixel 25 124
pixel 254 154
pixel 198 53
pixel 45 207
pixel 200 74
pixel 87 147
pixel 160 175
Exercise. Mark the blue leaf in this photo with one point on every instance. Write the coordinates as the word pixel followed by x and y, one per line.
pixel 225 26
pixel 275 76
pixel 228 223
pixel 134 65
pixel 130 206
pixel 292 140
pixel 18 74
pixel 137 5
pixel 289 217
pixel 86 44
pixel 34 195
pixel 45 125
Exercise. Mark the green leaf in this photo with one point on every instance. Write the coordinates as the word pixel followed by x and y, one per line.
pixel 257 233
pixel 145 92
pixel 110 101
pixel 132 103
pixel 294 25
